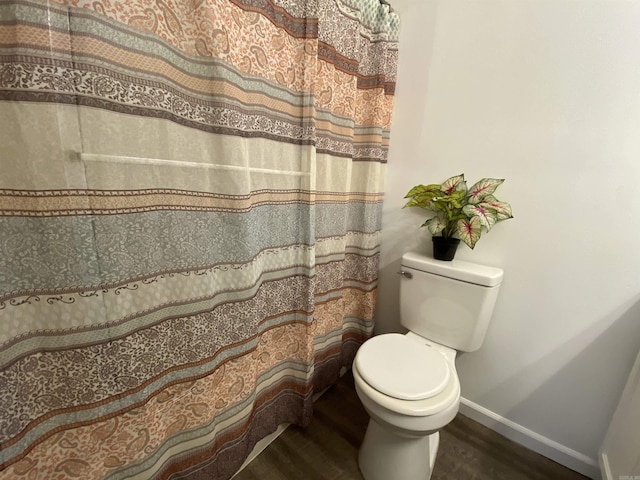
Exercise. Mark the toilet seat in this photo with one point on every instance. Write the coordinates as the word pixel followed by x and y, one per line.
pixel 397 366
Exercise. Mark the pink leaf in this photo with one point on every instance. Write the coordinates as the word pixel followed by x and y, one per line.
pixel 483 188
pixel 469 231
pixel 454 183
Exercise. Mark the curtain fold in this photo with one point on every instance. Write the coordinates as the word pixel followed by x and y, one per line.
pixel 190 202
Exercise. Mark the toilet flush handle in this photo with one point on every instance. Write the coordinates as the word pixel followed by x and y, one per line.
pixel 405 274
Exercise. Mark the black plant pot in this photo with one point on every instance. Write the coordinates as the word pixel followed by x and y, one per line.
pixel 445 248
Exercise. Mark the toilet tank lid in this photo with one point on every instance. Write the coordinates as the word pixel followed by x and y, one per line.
pixel 455 269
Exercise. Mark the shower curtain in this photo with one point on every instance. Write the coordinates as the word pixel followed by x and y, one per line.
pixel 190 199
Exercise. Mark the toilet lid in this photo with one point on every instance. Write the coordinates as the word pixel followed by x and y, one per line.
pixel 402 368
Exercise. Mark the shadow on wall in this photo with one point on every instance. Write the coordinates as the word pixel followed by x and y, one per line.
pixel 399 235
pixel 596 366
pixel 387 317
pixel 395 243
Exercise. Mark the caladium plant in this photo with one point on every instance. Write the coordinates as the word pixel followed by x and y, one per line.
pixel 460 212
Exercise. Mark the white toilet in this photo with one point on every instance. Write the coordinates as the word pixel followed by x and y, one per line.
pixel 408 383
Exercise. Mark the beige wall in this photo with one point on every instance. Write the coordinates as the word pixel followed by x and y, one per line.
pixel 547 95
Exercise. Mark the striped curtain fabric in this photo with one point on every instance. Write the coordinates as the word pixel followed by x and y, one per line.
pixel 190 200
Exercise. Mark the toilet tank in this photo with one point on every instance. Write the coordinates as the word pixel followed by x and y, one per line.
pixel 450 303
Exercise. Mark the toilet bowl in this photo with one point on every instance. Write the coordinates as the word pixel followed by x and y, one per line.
pixel 410 389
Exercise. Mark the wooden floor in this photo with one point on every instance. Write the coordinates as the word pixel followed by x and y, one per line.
pixel 328 448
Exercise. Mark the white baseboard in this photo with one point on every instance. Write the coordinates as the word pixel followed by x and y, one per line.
pixel 532 440
pixel 604 466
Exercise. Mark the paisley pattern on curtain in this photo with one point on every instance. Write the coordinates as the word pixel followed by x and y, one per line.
pixel 190 200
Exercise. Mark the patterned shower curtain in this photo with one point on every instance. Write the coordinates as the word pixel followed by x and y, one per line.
pixel 190 199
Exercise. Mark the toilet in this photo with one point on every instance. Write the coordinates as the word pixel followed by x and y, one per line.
pixel 408 384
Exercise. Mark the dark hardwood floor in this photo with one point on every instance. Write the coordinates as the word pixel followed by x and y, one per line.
pixel 327 449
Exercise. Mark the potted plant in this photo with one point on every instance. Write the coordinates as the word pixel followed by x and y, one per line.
pixel 461 213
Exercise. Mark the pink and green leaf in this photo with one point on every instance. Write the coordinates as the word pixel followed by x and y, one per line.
pixel 454 183
pixel 469 231
pixel 435 225
pixel 487 216
pixel 483 188
pixel 503 209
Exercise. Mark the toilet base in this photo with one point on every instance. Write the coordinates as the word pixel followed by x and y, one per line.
pixel 386 455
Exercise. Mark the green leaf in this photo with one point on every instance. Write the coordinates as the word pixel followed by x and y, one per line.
pixel 503 209
pixel 423 199
pixel 487 216
pixel 483 188
pixel 435 225
pixel 455 200
pixel 421 189
pixel 459 194
pixel 446 201
pixel 454 183
pixel 469 231
pixel 455 203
